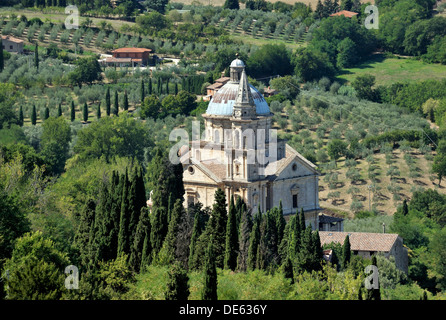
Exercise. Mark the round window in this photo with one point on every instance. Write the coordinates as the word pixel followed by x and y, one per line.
pixel 191 170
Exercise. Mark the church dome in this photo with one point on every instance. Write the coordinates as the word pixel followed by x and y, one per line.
pixel 222 102
pixel 237 63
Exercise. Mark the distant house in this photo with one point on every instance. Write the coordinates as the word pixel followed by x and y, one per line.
pixel 268 92
pixel 213 88
pixel 11 44
pixel 345 13
pixel 129 57
pixel 329 223
pixel 365 244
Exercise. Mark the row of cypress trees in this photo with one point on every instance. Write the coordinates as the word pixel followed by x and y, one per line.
pixel 115 224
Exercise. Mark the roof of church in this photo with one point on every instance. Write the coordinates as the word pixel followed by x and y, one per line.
pixel 223 101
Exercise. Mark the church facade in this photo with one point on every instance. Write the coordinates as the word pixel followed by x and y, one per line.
pixel 239 152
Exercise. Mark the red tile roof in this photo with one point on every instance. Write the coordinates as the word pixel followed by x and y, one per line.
pixel 344 13
pixel 12 39
pixel 131 50
pixel 361 241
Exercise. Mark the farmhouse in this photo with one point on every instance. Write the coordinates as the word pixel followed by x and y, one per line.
pixel 366 244
pixel 129 57
pixel 11 44
pixel 345 13
pixel 240 155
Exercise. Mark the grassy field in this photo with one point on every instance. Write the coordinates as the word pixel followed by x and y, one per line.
pixel 391 70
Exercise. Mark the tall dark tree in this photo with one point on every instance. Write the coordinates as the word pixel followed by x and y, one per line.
pixel 2 58
pixel 149 87
pixel 21 118
pixel 36 56
pixel 83 237
pixel 143 93
pixel 116 104
pixel 288 270
pixel 245 233
pixel 85 112
pixel 137 247
pixel 218 224
pixel 254 241
pixel 98 111
pixel 124 236
pixel 107 102
pixel 126 101
pixel 177 283
pixel 34 116
pixel 231 4
pixel 232 244
pixel 372 293
pixel 168 253
pixel 46 114
pixel 210 274
pixel 72 112
pixel 405 208
pixel 59 110
pixel 346 252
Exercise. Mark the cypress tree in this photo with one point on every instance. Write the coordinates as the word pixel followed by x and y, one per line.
pixel 168 253
pixel 210 274
pixel 72 112
pixel 177 283
pixel 254 242
pixel 34 116
pixel 126 101
pixel 160 86
pixel 373 294
pixel 149 88
pixel 288 270
pixel 280 222
pixel 302 220
pixel 82 236
pixel 85 112
pixel 59 110
pixel 405 209
pixel 123 236
pixel 176 88
pixel 98 111
pixel 36 56
pixel 218 224
pixel 294 237
pixel 116 104
pixel 167 86
pixel 137 247
pixel 196 232
pixel 146 257
pixel 317 254
pixel 2 58
pixel 306 250
pixel 137 200
pixel 158 230
pixel 46 114
pixel 102 226
pixel 143 94
pixel 346 252
pixel 232 243
pixel 245 231
pixel 107 102
pixel 21 118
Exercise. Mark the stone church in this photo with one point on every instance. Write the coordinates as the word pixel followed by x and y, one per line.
pixel 240 153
